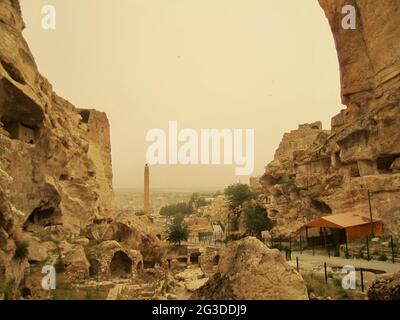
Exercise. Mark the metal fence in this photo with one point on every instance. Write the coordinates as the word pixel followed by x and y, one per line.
pixel 385 248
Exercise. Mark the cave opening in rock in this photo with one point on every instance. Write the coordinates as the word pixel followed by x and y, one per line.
pixel 26 292
pixel 321 206
pixel 182 259
pixel 85 114
pixel 354 171
pixel 121 265
pixel 149 264
pixel 194 257
pixel 43 217
pixel 384 163
pixel 216 260
pixel 94 268
pixel 19 131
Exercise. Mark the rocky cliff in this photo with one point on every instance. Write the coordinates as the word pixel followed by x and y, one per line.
pixel 55 160
pixel 317 172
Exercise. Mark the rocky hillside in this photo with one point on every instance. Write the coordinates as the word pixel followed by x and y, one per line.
pixel 55 173
pixel 317 172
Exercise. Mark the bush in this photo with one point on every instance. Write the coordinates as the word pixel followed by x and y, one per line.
pixel 181 208
pixel 257 220
pixel 177 231
pixel 9 290
pixel 382 257
pixel 21 251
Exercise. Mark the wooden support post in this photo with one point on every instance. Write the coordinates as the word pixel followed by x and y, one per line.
pixel 325 241
pixel 362 279
pixel 370 213
pixel 297 264
pixel 326 273
pixel 313 246
pixel 392 245
pixel 290 243
pixel 301 245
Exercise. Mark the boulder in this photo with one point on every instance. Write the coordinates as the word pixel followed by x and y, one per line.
pixel 74 260
pixel 249 270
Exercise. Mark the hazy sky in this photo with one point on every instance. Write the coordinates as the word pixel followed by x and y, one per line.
pixel 263 64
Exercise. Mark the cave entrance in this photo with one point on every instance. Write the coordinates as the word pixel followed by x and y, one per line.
pixel 26 292
pixel 321 206
pixel 19 131
pixel 94 267
pixel 121 265
pixel 384 163
pixel 43 217
pixel 216 260
pixel 149 264
pixel 182 259
pixel 194 257
pixel 85 114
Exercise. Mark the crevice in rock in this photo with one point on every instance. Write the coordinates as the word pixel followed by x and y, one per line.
pixel 384 163
pixel 321 206
pixel 13 72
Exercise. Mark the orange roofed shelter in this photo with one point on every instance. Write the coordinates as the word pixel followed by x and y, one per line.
pixel 341 228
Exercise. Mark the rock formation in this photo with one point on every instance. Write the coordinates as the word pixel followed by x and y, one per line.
pixel 317 172
pixel 55 173
pixel 249 270
pixel 386 287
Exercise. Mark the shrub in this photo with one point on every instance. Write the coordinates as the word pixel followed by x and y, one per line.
pixel 257 220
pixel 177 231
pixel 382 257
pixel 21 251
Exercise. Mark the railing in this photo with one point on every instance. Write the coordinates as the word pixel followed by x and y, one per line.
pixel 385 248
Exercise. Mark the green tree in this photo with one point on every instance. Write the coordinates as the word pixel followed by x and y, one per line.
pixel 177 231
pixel 257 220
pixel 181 208
pixel 196 201
pixel 237 194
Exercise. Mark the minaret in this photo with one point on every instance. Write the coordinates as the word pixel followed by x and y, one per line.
pixel 146 189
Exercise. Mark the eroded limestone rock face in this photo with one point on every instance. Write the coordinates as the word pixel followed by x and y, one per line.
pixel 130 230
pixel 249 270
pixel 317 172
pixel 55 161
pixel 74 260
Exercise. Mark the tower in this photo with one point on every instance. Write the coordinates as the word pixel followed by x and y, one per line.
pixel 146 189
